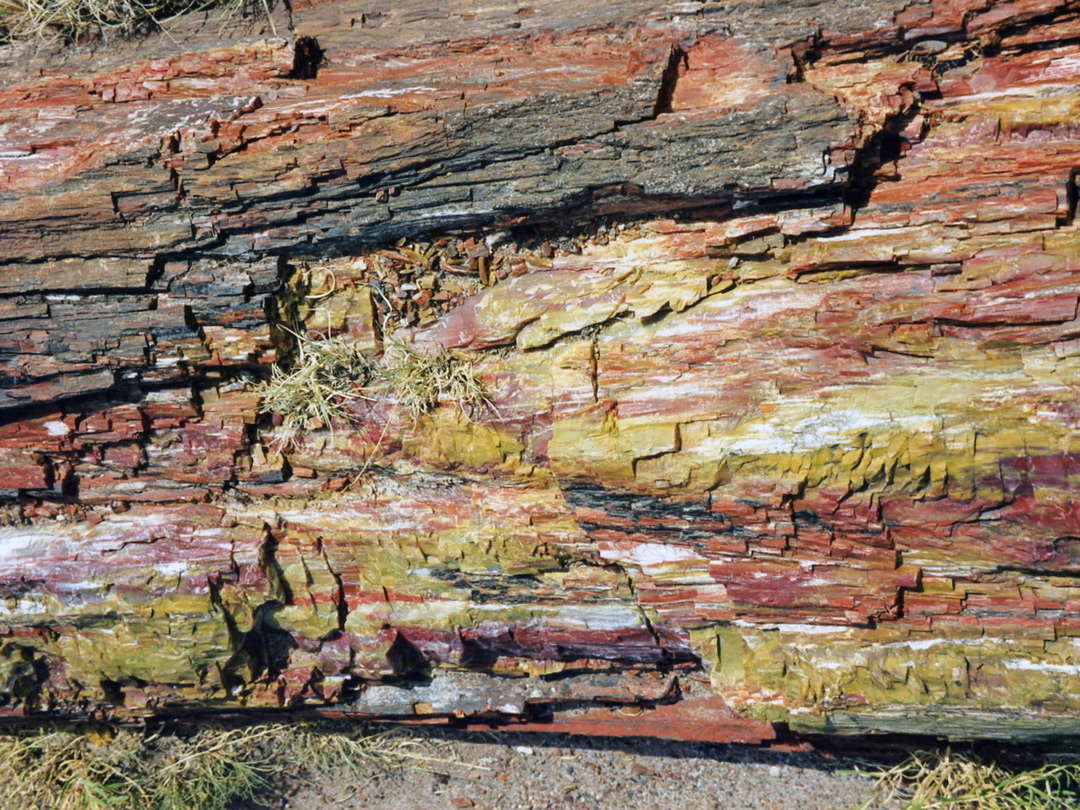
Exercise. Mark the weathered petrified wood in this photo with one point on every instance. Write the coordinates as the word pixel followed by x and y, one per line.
pixel 789 433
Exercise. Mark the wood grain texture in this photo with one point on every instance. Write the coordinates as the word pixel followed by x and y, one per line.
pixel 776 309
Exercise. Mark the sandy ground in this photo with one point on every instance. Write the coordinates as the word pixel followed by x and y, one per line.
pixel 557 772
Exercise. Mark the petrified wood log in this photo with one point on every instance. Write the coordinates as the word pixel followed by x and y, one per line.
pixel 775 307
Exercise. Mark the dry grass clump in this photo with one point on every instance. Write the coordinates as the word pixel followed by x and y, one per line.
pixel 44 19
pixel 94 769
pixel 25 19
pixel 422 381
pixel 328 375
pixel 935 780
pixel 29 19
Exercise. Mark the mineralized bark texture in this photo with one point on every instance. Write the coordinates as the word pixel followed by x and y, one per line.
pixel 786 432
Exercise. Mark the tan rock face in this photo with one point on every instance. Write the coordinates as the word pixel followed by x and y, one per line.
pixel 789 431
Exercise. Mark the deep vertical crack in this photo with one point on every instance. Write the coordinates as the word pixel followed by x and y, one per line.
pixel 307 58
pixel 669 79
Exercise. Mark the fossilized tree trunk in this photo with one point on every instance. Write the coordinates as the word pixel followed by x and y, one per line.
pixel 789 433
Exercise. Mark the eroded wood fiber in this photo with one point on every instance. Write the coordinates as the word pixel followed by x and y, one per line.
pixel 789 435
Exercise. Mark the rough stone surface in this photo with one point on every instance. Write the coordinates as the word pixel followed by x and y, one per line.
pixel 788 433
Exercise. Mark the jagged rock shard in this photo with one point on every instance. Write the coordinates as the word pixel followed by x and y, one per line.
pixel 790 436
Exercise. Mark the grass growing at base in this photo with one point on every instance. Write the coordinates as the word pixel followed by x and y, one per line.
pixel 936 780
pixel 104 767
pixel 45 19
pixel 26 19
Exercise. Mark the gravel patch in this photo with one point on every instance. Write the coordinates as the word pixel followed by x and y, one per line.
pixel 550 772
